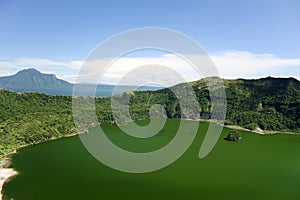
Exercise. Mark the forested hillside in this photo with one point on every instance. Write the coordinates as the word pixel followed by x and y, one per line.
pixel 268 103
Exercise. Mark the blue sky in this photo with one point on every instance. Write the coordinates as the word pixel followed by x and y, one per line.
pixel 51 35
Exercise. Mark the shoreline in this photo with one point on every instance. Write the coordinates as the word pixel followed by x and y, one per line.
pixel 6 173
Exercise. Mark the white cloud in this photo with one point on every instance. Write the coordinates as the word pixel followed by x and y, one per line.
pixel 230 64
pixel 241 64
pixel 41 62
pixel 171 71
pixel 77 63
pixel 7 68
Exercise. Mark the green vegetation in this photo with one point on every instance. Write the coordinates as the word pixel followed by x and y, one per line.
pixel 234 136
pixel 252 126
pixel 269 103
pixel 27 118
pixel 258 167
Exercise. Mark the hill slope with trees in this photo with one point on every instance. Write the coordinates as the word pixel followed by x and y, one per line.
pixel 268 103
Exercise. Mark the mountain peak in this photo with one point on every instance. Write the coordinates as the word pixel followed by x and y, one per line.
pixel 32 80
pixel 30 70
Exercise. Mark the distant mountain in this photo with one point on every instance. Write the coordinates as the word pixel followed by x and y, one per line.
pixel 31 80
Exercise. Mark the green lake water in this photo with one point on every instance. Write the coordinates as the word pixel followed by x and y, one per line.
pixel 258 167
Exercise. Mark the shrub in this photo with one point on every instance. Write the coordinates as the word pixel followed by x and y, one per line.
pixel 233 136
pixel 251 126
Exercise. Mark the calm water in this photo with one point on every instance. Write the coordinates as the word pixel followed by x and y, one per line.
pixel 258 167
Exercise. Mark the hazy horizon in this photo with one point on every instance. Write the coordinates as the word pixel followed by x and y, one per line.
pixel 150 85
pixel 244 40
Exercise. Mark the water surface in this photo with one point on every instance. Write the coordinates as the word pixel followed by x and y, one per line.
pixel 258 167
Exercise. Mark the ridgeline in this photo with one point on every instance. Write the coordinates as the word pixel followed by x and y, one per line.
pixel 267 103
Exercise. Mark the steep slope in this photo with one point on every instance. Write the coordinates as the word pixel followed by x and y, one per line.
pixel 270 103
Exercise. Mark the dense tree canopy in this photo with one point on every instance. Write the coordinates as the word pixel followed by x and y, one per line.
pixel 271 104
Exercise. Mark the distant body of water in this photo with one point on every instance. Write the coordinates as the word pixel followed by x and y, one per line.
pixel 87 90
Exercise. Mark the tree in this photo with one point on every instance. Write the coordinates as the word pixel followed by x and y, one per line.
pixel 233 136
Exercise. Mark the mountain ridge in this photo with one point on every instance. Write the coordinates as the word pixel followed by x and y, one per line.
pixel 32 80
pixel 270 104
